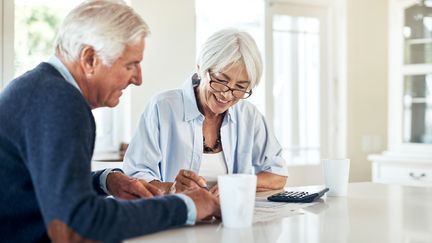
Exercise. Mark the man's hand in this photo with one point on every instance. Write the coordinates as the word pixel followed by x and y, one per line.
pixel 163 186
pixel 187 179
pixel 207 205
pixel 125 187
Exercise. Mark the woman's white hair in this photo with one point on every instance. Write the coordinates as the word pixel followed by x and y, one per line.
pixel 107 26
pixel 230 47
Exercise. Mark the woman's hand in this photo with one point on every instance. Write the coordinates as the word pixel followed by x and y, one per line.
pixel 187 179
pixel 267 181
pixel 215 190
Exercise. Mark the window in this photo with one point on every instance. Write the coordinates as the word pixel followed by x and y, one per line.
pixel 301 107
pixel 29 29
pixel 296 87
pixel 35 28
pixel 1 46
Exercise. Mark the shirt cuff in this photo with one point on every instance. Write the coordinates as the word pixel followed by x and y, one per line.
pixel 103 179
pixel 143 176
pixel 191 209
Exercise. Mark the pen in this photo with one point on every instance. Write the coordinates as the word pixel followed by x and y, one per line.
pixel 205 184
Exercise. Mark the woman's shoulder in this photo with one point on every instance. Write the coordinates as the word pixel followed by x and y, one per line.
pixel 167 97
pixel 244 107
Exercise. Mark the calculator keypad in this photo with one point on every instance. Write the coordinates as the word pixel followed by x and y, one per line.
pixel 296 196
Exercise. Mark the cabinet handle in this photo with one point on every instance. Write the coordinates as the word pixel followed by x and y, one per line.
pixel 417 177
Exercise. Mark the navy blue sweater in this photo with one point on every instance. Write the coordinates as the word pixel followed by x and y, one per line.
pixel 47 134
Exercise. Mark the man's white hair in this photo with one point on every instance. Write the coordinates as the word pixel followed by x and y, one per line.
pixel 230 47
pixel 107 26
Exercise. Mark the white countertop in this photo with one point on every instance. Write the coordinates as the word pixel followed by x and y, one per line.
pixel 370 213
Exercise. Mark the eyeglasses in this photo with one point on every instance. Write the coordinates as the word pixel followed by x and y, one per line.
pixel 221 87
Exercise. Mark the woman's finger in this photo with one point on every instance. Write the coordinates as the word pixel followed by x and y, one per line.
pixel 186 181
pixel 194 177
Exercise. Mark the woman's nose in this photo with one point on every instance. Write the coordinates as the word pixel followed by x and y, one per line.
pixel 227 95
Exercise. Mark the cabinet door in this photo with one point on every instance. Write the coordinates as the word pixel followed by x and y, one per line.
pixel 417 33
pixel 417 87
pixel 417 109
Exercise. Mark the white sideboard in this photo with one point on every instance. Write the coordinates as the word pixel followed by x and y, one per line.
pixel 400 169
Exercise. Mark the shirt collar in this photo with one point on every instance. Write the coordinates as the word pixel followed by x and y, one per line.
pixel 191 110
pixel 62 69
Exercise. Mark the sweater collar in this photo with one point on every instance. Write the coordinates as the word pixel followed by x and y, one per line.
pixel 62 69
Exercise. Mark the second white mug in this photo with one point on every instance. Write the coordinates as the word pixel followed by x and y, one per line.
pixel 336 176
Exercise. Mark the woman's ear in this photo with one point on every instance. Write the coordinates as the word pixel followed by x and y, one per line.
pixel 88 60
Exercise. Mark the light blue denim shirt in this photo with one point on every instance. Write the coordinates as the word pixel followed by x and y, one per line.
pixel 59 66
pixel 169 138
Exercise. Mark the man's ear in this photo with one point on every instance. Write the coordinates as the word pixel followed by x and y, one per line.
pixel 88 60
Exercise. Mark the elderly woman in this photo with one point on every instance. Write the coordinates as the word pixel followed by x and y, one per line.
pixel 207 128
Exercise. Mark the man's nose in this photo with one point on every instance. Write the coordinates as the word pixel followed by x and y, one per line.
pixel 137 76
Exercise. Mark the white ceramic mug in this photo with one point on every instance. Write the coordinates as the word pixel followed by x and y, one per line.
pixel 237 199
pixel 336 175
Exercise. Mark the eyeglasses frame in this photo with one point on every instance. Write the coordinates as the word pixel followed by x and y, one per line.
pixel 248 93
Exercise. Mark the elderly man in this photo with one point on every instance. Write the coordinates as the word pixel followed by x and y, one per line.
pixel 47 136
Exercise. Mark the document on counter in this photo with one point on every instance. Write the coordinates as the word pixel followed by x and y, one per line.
pixel 266 210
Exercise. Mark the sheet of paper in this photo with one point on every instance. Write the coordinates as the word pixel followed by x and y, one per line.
pixel 266 210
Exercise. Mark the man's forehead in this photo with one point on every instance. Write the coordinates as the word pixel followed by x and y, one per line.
pixel 133 51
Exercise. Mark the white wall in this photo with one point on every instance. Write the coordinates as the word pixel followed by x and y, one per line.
pixel 169 56
pixel 367 35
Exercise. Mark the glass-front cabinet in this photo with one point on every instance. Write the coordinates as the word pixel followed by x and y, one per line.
pixel 408 159
pixel 417 87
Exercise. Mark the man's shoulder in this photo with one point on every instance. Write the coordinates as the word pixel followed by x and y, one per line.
pixel 43 78
pixel 43 71
pixel 47 77
pixel 43 88
pixel 48 83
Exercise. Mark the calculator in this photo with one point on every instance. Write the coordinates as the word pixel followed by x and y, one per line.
pixel 296 196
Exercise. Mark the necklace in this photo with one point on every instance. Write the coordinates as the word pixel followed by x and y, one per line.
pixel 216 147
